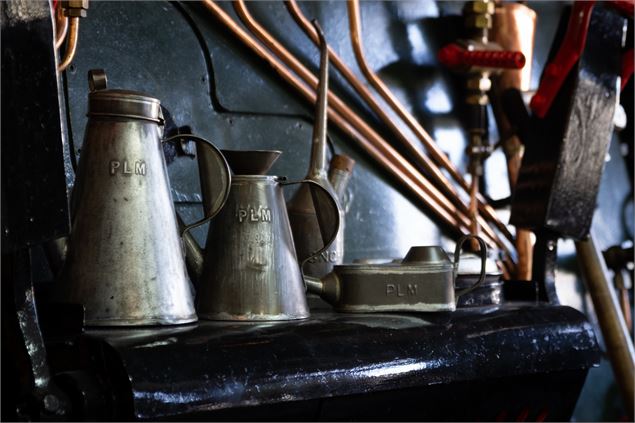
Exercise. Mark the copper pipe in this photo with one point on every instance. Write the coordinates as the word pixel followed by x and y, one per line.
pixel 365 93
pixel 267 39
pixel 362 126
pixel 413 124
pixel 71 45
pixel 474 205
pixel 625 304
pixel 513 28
pixel 61 26
pixel 340 121
pixel 525 249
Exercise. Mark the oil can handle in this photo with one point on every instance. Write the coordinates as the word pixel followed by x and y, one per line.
pixel 457 256
pixel 223 193
pixel 322 215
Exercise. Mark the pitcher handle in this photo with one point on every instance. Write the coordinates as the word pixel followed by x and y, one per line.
pixel 457 256
pixel 223 193
pixel 333 204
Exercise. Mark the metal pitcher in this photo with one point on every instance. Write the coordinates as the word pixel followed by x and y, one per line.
pixel 250 270
pixel 125 260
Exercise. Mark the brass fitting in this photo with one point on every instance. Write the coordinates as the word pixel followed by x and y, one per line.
pixel 75 8
pixel 480 7
pixel 480 21
pixel 479 82
pixel 478 98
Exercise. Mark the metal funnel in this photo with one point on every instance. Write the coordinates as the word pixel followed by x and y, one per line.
pixel 251 162
pixel 426 254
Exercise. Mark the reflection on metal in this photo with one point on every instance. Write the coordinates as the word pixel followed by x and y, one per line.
pixel 256 367
pixel 302 214
pixel 250 270
pixel 125 263
pixel 619 345
pixel 423 281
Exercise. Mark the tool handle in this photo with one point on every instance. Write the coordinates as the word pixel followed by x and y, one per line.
pixel 457 257
pixel 223 193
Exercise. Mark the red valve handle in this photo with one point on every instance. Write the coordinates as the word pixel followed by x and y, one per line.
pixel 455 56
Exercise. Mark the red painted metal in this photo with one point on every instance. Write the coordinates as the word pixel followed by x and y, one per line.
pixel 556 72
pixel 627 67
pixel 626 7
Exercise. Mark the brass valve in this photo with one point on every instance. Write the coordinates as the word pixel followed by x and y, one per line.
pixel 478 14
pixel 75 8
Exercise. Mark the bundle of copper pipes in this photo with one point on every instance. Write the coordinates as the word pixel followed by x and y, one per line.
pixel 434 190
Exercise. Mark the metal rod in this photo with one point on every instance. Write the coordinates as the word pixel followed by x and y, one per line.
pixel 317 162
pixel 339 106
pixel 364 92
pixel 342 123
pixel 71 45
pixel 413 124
pixel 616 338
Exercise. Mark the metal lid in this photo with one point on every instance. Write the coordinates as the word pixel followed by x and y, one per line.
pixel 426 254
pixel 120 103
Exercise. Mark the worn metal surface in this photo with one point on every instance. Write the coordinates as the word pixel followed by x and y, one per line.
pixel 366 288
pixel 125 261
pixel 565 152
pixel 34 192
pixel 217 366
pixel 250 270
pixel 422 281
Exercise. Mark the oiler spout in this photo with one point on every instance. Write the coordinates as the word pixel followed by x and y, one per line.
pixel 328 287
pixel 193 253
pixel 317 165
